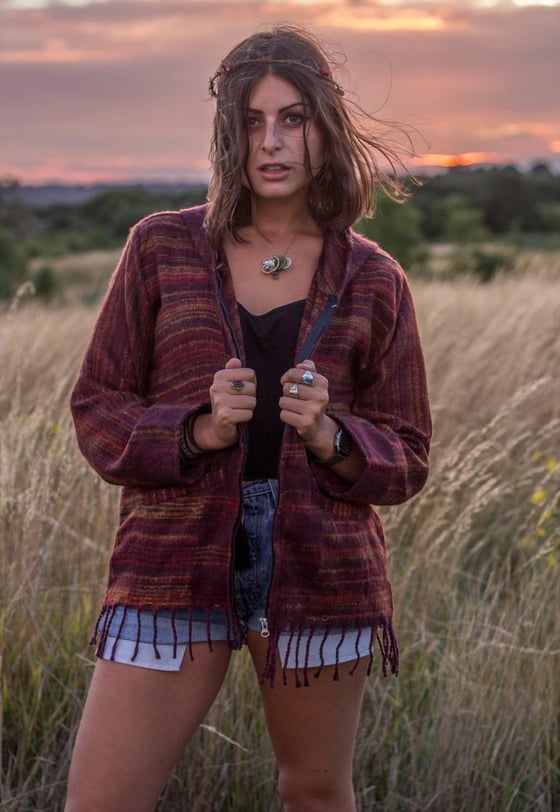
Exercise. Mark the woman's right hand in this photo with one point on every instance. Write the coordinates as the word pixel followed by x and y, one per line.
pixel 233 399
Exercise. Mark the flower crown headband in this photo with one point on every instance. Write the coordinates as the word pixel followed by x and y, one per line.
pixel 228 67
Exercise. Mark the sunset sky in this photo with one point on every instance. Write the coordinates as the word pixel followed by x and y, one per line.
pixel 116 90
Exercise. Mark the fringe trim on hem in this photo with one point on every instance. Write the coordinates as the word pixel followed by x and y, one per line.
pixel 386 638
pixel 383 631
pixel 389 647
pixel 100 635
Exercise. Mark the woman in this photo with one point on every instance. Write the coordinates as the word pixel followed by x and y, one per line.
pixel 254 383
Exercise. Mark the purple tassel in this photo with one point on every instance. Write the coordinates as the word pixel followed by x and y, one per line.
pixel 138 633
pixel 321 656
pixel 191 656
pixel 117 638
pixel 174 634
pixel 209 630
pixel 154 640
pixel 358 658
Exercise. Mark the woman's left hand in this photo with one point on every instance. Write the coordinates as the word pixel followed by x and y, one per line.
pixel 304 401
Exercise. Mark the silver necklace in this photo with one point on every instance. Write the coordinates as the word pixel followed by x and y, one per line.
pixel 275 264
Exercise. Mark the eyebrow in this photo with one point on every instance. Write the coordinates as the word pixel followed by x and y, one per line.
pixel 281 110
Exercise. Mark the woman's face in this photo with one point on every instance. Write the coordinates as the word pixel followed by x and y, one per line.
pixel 278 131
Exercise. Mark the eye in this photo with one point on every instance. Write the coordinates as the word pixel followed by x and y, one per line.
pixel 295 119
pixel 253 122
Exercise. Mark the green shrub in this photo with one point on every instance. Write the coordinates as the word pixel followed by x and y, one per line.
pixel 482 264
pixel 13 264
pixel 396 227
pixel 46 282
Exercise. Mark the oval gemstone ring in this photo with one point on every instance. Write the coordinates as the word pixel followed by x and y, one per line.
pixel 293 391
pixel 237 386
pixel 307 378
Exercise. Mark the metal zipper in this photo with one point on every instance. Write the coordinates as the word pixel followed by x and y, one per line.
pixel 226 313
pixel 319 327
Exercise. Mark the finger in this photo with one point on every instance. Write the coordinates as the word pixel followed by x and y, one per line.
pixel 241 373
pixel 304 404
pixel 235 416
pixel 309 372
pixel 292 405
pixel 304 374
pixel 306 385
pixel 236 394
pixel 225 376
pixel 227 399
pixel 294 390
pixel 240 402
pixel 291 376
pixel 239 386
pixel 302 422
pixel 234 409
pixel 233 363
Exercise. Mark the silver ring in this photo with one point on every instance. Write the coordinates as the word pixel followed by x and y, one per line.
pixel 308 377
pixel 237 386
pixel 293 391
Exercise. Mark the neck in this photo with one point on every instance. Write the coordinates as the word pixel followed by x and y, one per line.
pixel 273 219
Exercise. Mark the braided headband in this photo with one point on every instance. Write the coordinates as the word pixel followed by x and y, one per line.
pixel 228 67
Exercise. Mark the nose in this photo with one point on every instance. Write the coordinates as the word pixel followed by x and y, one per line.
pixel 270 136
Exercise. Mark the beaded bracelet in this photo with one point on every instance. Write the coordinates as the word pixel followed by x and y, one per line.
pixel 186 439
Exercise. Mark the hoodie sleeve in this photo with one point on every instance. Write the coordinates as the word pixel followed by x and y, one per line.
pixel 389 420
pixel 125 437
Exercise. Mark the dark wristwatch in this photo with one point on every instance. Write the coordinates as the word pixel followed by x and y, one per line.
pixel 342 447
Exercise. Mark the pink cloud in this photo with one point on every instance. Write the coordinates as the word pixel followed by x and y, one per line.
pixel 121 87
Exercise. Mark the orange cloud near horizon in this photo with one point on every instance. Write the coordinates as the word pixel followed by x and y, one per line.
pixel 461 159
pixel 122 170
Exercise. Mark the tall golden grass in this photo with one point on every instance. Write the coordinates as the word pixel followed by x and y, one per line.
pixel 472 723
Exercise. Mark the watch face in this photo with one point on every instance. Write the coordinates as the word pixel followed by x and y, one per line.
pixel 343 443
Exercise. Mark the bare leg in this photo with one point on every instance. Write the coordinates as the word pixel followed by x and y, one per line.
pixel 313 731
pixel 135 725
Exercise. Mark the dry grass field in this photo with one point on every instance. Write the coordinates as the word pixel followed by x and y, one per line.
pixel 473 722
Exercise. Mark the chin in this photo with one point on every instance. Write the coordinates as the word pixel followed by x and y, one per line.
pixel 280 193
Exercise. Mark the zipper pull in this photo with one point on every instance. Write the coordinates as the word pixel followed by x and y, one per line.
pixel 264 627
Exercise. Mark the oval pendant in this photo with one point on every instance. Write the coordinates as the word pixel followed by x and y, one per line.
pixel 273 265
pixel 285 263
pixel 270 264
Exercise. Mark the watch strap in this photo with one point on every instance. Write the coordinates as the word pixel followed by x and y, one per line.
pixel 342 447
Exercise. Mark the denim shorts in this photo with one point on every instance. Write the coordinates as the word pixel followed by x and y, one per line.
pixel 129 635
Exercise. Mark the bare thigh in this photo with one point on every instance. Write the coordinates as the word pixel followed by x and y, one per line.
pixel 135 724
pixel 313 731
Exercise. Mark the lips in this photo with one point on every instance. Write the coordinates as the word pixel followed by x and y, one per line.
pixel 273 169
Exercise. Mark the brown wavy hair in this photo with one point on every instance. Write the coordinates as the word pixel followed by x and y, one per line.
pixel 344 188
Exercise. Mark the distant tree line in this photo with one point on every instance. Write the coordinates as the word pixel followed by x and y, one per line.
pixel 461 206
pixel 470 206
pixel 506 199
pixel 99 223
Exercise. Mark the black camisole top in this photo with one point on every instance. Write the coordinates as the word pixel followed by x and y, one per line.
pixel 270 345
